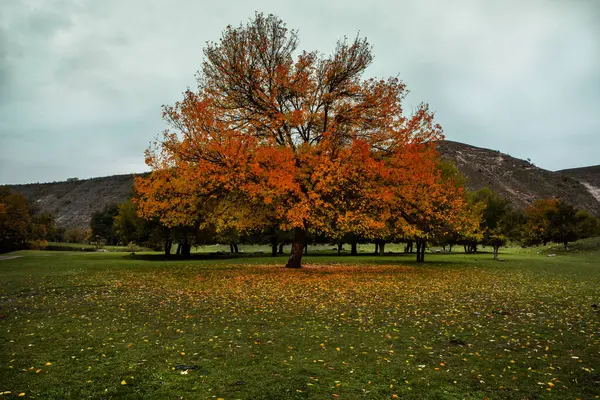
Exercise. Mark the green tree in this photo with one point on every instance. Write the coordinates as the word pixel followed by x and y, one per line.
pixel 127 225
pixel 102 222
pixel 499 221
pixel 587 225
pixel 43 226
pixel 553 220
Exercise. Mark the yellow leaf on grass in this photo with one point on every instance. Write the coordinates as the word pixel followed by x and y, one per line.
pixel 123 382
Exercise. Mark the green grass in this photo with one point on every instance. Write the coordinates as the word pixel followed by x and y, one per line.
pixel 77 325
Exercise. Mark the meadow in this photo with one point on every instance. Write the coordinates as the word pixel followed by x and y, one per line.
pixel 114 325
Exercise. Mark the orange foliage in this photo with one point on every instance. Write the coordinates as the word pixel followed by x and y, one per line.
pixel 538 228
pixel 304 144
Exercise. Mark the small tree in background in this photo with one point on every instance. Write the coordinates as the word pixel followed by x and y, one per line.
pixel 553 220
pixel 101 225
pixel 21 226
pixel 77 235
pixel 131 228
pixel 499 221
pixel 15 221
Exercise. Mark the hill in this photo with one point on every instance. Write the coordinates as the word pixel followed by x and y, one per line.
pixel 518 180
pixel 588 176
pixel 73 202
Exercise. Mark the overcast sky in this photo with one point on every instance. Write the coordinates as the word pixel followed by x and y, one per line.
pixel 82 82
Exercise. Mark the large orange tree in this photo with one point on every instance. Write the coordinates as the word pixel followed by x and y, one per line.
pixel 277 137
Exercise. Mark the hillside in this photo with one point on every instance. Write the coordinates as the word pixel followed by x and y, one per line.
pixel 73 202
pixel 588 176
pixel 518 180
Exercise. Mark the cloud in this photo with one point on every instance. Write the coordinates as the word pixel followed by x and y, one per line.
pixel 81 82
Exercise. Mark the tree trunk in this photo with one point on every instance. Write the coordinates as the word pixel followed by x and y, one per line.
pixel 339 248
pixel 231 248
pixel 354 251
pixel 186 251
pixel 450 249
pixel 295 260
pixel 421 250
pixel 168 245
pixel 495 247
pixel 186 248
pixel 178 252
pixel 280 249
pixel 409 247
pixel 566 243
pixel 306 249
pixel 382 248
pixel 236 248
pixel 273 248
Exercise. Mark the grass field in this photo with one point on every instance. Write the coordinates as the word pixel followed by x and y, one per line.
pixel 110 325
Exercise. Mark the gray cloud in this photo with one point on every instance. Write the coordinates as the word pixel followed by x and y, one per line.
pixel 82 82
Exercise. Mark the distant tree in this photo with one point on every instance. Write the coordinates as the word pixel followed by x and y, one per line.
pixel 75 235
pixel 102 222
pixel 43 226
pixel 564 223
pixel 499 222
pixel 58 235
pixel 15 220
pixel 553 220
pixel 587 225
pixel 131 228
pixel 23 225
pixel 127 225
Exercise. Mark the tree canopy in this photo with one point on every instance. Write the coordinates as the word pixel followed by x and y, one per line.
pixel 273 136
pixel 21 226
pixel 553 220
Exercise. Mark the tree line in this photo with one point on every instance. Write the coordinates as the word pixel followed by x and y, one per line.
pixel 23 226
pixel 498 223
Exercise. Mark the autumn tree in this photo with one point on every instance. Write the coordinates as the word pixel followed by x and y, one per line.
pixel 432 205
pixel 538 229
pixel 297 140
pixel 15 220
pixel 21 225
pixel 553 220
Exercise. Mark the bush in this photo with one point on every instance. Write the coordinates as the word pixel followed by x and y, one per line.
pixel 37 244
